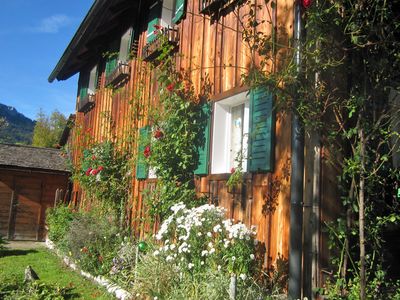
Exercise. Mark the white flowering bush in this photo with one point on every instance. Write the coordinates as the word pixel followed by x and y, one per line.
pixel 201 237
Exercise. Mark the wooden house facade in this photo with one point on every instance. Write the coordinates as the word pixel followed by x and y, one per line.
pixel 31 180
pixel 208 35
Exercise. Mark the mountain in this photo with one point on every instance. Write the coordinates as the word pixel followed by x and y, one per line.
pixel 18 129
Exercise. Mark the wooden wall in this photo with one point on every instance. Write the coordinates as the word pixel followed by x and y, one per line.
pixel 212 48
pixel 31 193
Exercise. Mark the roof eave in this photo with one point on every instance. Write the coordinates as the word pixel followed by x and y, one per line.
pixel 90 16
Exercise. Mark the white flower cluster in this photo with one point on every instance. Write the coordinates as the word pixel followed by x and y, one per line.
pixel 191 237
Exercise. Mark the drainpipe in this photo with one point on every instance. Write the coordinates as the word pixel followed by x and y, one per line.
pixel 297 178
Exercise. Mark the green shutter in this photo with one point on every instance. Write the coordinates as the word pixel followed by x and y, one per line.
pixel 83 84
pixel 202 168
pixel 83 92
pixel 262 131
pixel 179 11
pixel 112 59
pixel 142 168
pixel 150 30
pixel 96 79
pixel 111 64
pixel 153 19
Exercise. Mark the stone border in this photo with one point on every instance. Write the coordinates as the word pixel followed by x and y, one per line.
pixel 100 280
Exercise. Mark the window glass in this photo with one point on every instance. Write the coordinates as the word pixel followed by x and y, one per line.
pixel 230 134
pixel 92 81
pixel 124 47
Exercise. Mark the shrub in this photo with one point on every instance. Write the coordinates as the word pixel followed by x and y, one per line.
pixel 104 175
pixel 201 237
pixel 93 241
pixel 200 252
pixel 123 264
pixel 59 220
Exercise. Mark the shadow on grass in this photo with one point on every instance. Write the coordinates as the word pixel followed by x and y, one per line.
pixel 15 252
pixel 35 290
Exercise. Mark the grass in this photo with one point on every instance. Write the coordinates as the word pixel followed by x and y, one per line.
pixel 50 270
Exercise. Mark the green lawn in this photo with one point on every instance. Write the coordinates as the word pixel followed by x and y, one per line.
pixel 50 270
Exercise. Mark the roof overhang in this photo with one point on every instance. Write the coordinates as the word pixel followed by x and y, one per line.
pixel 105 20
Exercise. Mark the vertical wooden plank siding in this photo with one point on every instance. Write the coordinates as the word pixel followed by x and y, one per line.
pixel 213 48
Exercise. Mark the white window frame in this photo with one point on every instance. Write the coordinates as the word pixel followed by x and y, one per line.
pixel 221 153
pixel 92 81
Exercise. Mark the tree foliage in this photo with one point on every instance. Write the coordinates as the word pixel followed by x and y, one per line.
pixel 350 65
pixel 48 129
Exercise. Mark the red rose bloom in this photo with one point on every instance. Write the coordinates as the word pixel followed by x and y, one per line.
pixel 147 151
pixel 100 168
pixel 170 87
pixel 233 170
pixel 94 172
pixel 306 3
pixel 158 134
pixel 88 171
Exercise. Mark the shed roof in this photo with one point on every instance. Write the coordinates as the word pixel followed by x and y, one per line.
pixel 28 157
pixel 105 19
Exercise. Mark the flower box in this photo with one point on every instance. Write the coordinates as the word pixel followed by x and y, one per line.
pixel 153 48
pixel 208 7
pixel 86 103
pixel 119 75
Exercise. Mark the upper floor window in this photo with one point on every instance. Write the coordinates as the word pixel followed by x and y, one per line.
pixel 163 14
pixel 117 68
pixel 125 46
pixel 88 82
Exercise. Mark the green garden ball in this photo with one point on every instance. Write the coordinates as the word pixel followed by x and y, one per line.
pixel 142 246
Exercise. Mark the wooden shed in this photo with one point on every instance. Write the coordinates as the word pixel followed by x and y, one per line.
pixel 30 180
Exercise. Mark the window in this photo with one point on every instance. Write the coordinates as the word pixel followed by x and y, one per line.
pixel 125 46
pixel 93 75
pixel 88 82
pixel 160 14
pixel 117 67
pixel 230 133
pixel 179 11
pixel 112 58
pixel 243 131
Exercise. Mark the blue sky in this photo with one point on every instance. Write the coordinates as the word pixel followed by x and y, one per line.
pixel 33 36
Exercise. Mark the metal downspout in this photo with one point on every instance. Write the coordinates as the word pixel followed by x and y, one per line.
pixel 297 177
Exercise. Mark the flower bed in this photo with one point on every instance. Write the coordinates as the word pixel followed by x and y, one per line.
pixel 111 287
pixel 196 254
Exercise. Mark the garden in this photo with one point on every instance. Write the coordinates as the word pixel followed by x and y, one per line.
pixel 196 254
